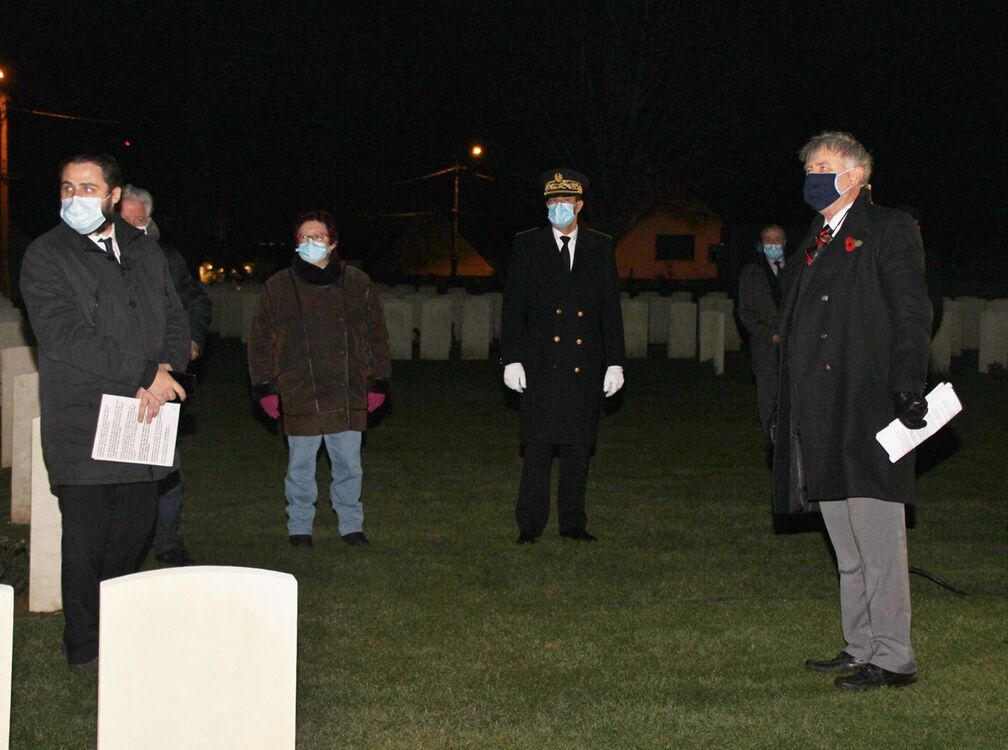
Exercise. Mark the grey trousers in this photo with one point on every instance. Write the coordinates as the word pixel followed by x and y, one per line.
pixel 869 537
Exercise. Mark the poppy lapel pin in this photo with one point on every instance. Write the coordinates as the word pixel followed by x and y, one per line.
pixel 851 244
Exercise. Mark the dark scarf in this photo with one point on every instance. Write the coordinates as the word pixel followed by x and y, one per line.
pixel 311 274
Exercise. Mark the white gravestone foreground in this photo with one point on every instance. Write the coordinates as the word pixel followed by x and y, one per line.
pixel 712 327
pixel 6 660
pixel 952 317
pixel 682 330
pixel 16 360
pixel 635 328
pixel 971 307
pixel 198 657
pixel 399 321
pixel 435 328
pixel 26 408
pixel 476 313
pixel 993 340
pixel 658 319
pixel 45 550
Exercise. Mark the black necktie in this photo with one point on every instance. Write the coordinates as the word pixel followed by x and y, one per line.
pixel 776 268
pixel 565 252
pixel 107 242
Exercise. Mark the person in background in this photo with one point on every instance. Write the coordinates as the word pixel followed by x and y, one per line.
pixel 137 207
pixel 759 298
pixel 319 354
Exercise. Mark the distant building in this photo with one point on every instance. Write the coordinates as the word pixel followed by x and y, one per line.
pixel 671 244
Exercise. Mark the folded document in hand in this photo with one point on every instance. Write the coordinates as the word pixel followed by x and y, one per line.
pixel 898 440
pixel 120 437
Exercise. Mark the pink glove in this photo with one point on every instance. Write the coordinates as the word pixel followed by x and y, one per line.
pixel 271 405
pixel 374 401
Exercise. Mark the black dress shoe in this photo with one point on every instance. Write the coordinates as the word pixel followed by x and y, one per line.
pixel 300 540
pixel 356 539
pixel 843 662
pixel 176 556
pixel 527 539
pixel 579 534
pixel 869 676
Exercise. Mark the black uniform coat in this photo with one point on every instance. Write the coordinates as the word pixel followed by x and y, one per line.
pixel 759 296
pixel 565 327
pixel 852 333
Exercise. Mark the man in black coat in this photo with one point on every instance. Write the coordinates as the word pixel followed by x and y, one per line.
pixel 562 342
pixel 855 325
pixel 108 321
pixel 759 299
pixel 137 206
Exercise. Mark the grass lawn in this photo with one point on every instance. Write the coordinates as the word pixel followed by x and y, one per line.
pixel 686 625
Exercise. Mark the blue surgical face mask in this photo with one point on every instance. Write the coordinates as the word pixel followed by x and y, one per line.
pixel 83 215
pixel 560 214
pixel 822 188
pixel 312 251
pixel 773 252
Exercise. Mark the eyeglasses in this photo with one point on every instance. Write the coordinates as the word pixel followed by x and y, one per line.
pixel 321 237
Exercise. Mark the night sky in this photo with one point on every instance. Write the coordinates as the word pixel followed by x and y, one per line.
pixel 242 114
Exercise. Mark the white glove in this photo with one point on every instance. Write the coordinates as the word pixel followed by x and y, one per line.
pixel 514 377
pixel 613 380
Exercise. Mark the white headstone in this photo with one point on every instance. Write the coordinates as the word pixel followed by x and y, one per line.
pixel 229 321
pixel 401 290
pixel 712 327
pixel 13 330
pixel 733 341
pixel 717 295
pixel 198 657
pixel 496 307
pixel 457 290
pixel 416 303
pixel 646 294
pixel 476 327
pixel 384 290
pixel 399 321
pixel 658 319
pixel 427 290
pixel 635 328
pixel 26 408
pixel 44 545
pixel 993 340
pixel 941 347
pixel 435 328
pixel 681 296
pixel 15 360
pixel 971 308
pixel 6 660
pixel 249 305
pixel 997 305
pixel 708 302
pixel 952 316
pixel 682 330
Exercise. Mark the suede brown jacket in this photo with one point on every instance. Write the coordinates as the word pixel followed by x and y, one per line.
pixel 319 340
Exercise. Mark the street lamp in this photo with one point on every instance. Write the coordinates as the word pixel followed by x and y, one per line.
pixel 5 285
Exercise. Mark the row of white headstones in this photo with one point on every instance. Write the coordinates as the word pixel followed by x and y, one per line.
pixel 702 330
pixel 133 627
pixel 215 646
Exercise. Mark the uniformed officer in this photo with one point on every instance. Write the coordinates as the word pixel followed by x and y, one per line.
pixel 562 342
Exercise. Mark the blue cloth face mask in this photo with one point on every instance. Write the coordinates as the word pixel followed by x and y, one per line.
pixel 773 252
pixel 312 251
pixel 83 215
pixel 821 188
pixel 561 214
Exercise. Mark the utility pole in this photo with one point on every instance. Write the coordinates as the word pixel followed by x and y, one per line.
pixel 5 223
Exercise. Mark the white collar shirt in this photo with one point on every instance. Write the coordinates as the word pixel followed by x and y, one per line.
pixel 97 238
pixel 557 234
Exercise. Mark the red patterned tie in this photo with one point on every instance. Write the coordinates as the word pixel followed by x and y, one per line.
pixel 822 240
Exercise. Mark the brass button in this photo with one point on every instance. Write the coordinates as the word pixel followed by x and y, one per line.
pixel 828 368
pixel 559 311
pixel 556 339
pixel 579 342
pixel 823 335
pixel 577 370
pixel 825 298
pixel 580 313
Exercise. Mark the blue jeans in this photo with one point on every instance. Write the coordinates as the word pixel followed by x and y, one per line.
pixel 344 491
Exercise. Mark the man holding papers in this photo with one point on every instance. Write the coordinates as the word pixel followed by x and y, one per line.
pixel 108 322
pixel 855 328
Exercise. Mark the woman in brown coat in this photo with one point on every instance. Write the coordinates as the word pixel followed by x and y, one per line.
pixel 319 351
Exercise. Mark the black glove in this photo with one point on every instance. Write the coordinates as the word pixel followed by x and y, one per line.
pixel 910 409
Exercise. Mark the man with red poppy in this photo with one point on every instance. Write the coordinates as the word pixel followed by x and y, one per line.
pixel 855 325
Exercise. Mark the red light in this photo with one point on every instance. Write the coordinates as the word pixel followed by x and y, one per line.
pixel 127 143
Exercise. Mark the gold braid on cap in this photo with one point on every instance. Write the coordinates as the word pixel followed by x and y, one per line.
pixel 559 185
